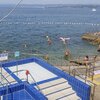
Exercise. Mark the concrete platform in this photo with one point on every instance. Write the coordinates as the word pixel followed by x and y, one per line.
pixel 38 72
pixel 58 89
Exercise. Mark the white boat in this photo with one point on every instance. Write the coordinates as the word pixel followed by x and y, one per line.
pixel 93 9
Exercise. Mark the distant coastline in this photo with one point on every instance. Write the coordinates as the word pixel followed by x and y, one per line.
pixel 53 5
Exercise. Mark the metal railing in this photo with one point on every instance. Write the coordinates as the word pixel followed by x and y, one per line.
pixel 4 78
pixel 8 83
pixel 2 84
pixel 86 81
pixel 23 78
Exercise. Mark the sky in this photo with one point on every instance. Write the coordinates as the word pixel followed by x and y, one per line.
pixel 51 1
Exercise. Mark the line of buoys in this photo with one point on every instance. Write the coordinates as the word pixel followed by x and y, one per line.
pixel 51 23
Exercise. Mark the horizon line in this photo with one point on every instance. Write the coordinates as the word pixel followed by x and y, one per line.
pixel 47 4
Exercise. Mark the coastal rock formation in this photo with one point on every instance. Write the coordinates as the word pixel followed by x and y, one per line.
pixel 92 37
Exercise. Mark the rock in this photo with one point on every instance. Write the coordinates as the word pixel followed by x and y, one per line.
pixel 92 37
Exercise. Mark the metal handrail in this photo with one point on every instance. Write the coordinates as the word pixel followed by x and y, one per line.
pixel 94 85
pixel 83 77
pixel 5 79
pixel 14 72
pixel 2 84
pixel 29 74
pixel 36 83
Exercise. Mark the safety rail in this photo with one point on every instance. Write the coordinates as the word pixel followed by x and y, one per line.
pixel 23 79
pixel 2 84
pixel 74 73
pixel 4 78
pixel 36 83
pixel 89 71
pixel 8 83
pixel 86 81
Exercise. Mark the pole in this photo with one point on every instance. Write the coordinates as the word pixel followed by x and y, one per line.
pixel 27 78
pixel 17 69
pixel 94 92
pixel 16 56
pixel 1 71
pixel 69 67
pixel 86 74
pixel 27 73
pixel 93 74
pixel 6 91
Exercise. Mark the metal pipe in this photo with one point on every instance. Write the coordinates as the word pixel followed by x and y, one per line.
pixel 35 83
pixel 5 78
pixel 29 74
pixel 93 92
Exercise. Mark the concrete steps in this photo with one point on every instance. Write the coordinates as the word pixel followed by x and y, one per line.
pixel 52 83
pixel 70 97
pixel 55 88
pixel 58 89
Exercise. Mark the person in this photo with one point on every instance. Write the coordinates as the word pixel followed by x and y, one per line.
pixel 49 40
pixel 86 60
pixel 95 57
pixel 67 54
pixel 98 48
pixel 46 57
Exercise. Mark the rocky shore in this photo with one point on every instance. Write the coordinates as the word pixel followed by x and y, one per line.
pixel 94 38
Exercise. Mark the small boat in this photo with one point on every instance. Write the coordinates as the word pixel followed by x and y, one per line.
pixel 93 9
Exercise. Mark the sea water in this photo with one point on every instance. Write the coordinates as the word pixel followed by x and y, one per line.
pixel 26 29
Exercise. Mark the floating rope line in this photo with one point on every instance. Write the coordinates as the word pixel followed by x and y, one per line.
pixel 10 11
pixel 53 23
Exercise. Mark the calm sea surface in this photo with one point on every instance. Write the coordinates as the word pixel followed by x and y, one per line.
pixel 29 25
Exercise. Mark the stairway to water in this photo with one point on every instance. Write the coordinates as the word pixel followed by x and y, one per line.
pixel 58 89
